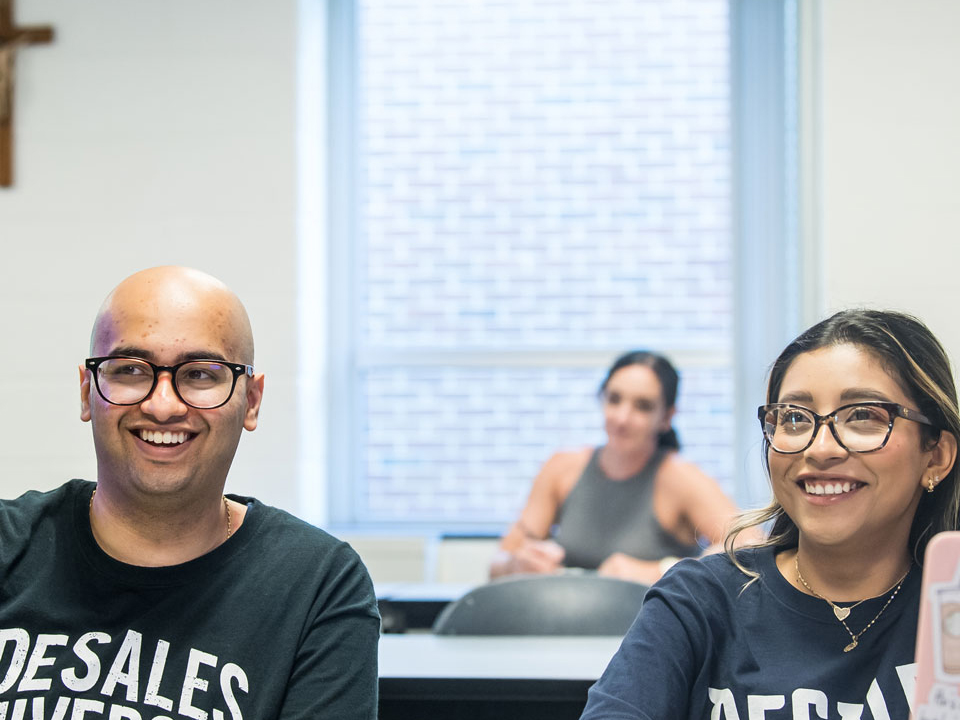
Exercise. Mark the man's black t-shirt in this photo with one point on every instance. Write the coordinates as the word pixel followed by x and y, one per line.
pixel 280 621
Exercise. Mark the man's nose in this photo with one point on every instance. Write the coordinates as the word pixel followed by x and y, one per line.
pixel 164 403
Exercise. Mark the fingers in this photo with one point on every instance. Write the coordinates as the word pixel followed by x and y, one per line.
pixel 625 567
pixel 539 556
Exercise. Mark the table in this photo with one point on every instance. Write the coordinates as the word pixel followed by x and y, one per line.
pixel 433 677
pixel 414 606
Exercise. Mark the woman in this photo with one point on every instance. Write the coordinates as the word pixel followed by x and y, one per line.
pixel 820 620
pixel 628 509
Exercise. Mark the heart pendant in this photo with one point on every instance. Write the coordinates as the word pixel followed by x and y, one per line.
pixel 842 613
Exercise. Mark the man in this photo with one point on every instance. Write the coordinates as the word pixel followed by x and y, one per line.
pixel 151 595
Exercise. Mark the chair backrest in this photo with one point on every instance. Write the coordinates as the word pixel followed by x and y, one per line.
pixel 563 604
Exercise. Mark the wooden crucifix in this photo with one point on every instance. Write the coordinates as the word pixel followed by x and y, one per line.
pixel 11 38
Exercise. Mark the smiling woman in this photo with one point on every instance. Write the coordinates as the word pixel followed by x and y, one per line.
pixel 869 520
pixel 628 509
pixel 871 356
pixel 860 430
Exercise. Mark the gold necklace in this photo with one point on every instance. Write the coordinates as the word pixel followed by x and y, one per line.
pixel 842 612
pixel 226 506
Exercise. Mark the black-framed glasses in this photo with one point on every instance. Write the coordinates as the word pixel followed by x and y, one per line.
pixel 860 427
pixel 201 384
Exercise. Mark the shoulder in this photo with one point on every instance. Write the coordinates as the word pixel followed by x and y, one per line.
pixel 285 542
pixel 33 523
pixel 688 482
pixel 568 461
pixel 755 559
pixel 562 469
pixel 717 571
pixel 697 605
pixel 288 533
pixel 705 597
pixel 69 489
pixel 33 505
pixel 675 467
pixel 303 564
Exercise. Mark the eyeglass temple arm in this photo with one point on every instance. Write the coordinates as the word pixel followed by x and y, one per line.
pixel 914 415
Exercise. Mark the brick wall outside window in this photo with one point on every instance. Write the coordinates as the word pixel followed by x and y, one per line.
pixel 536 177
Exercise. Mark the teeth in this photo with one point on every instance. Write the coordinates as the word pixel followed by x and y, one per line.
pixel 163 438
pixel 828 489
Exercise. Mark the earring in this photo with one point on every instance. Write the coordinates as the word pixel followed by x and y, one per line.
pixel 931 483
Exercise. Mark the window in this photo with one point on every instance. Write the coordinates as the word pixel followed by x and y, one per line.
pixel 520 192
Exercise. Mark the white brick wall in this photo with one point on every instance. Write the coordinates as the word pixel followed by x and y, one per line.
pixel 464 443
pixel 536 175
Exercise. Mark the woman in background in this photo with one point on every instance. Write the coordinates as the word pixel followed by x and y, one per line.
pixel 860 430
pixel 630 508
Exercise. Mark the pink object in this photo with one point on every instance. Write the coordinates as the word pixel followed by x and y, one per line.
pixel 937 694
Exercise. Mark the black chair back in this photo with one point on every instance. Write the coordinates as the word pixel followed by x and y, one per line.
pixel 562 604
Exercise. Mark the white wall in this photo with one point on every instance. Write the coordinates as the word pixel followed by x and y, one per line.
pixel 147 133
pixel 164 132
pixel 890 143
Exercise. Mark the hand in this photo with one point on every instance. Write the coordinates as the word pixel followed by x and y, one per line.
pixel 538 556
pixel 620 565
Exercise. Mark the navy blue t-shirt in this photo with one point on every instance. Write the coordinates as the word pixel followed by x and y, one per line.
pixel 703 647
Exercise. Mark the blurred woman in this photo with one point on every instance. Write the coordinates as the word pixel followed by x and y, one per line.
pixel 630 508
pixel 860 430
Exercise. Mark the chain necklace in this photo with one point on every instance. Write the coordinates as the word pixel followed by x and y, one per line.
pixel 226 506
pixel 843 612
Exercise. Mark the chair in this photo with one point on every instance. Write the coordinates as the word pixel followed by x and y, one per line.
pixel 563 604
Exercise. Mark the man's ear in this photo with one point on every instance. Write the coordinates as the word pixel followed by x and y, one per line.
pixel 85 379
pixel 254 397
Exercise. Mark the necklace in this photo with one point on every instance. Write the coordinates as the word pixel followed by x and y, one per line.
pixel 843 612
pixel 226 506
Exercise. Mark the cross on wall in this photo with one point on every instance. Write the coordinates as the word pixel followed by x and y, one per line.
pixel 11 39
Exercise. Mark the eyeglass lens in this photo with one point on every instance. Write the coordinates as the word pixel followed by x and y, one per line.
pixel 202 383
pixel 860 428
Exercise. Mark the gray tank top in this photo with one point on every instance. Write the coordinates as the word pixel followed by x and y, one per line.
pixel 602 516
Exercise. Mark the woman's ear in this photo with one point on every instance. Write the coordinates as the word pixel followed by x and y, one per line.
pixel 942 457
pixel 667 419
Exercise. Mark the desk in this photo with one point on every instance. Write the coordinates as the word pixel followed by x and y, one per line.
pixel 465 678
pixel 414 606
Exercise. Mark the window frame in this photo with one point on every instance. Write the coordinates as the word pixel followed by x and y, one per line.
pixel 773 293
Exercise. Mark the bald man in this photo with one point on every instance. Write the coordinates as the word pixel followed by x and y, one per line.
pixel 151 595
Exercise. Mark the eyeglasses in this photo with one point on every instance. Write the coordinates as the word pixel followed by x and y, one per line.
pixel 860 427
pixel 201 384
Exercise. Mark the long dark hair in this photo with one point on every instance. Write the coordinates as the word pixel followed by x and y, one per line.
pixel 907 350
pixel 669 383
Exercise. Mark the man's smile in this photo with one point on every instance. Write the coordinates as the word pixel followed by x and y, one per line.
pixel 164 437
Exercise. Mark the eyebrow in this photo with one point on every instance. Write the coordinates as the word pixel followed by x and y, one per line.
pixel 864 394
pixel 848 395
pixel 137 352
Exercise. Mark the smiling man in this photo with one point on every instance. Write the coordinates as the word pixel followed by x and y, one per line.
pixel 151 594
